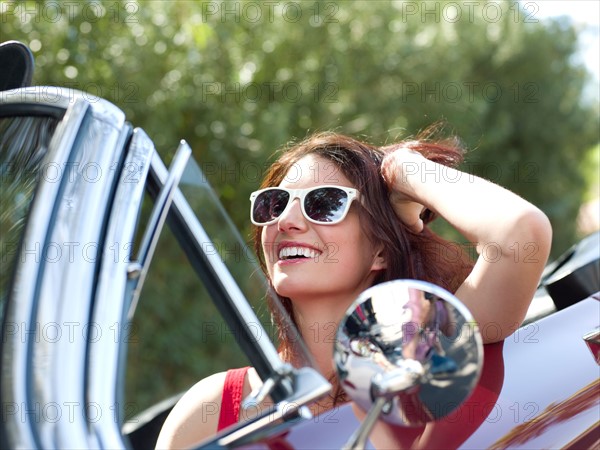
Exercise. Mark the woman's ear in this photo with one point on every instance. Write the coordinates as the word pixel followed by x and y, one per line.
pixel 379 262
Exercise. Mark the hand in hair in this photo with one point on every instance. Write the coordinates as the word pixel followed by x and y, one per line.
pixel 396 168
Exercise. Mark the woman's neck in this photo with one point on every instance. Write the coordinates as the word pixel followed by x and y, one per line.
pixel 318 321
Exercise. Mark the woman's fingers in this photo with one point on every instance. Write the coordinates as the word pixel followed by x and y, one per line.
pixel 394 171
pixel 398 166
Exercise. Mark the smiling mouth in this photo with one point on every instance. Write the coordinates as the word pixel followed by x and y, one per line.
pixel 288 253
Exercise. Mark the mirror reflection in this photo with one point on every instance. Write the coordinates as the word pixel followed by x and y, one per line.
pixel 412 343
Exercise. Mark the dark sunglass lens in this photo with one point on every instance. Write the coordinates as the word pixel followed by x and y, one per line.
pixel 269 205
pixel 326 204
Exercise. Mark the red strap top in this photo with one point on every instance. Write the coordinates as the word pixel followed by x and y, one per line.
pixel 232 397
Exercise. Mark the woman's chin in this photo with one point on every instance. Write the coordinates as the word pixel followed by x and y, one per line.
pixel 287 290
pixel 291 288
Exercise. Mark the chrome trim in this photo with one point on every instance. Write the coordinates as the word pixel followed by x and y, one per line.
pixel 592 340
pixel 243 309
pixel 67 286
pixel 23 300
pixel 78 374
pixel 296 388
pixel 107 355
pixel 157 220
pixel 54 293
pixel 358 439
pixel 402 354
pixel 63 98
pixel 309 386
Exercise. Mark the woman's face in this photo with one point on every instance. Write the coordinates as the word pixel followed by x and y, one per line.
pixel 342 261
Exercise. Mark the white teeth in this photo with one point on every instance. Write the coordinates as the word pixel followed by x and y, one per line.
pixel 290 252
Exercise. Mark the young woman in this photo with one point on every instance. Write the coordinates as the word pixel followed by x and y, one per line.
pixel 347 215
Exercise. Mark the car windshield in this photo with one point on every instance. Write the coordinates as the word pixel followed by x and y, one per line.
pixel 178 335
pixel 181 326
pixel 23 144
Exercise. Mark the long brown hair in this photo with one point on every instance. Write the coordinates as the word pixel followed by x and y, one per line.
pixel 424 256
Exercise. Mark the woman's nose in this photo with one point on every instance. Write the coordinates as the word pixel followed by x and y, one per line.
pixel 292 218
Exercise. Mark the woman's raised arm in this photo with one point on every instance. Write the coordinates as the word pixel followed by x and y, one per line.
pixel 512 237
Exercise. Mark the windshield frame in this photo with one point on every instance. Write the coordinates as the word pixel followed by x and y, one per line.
pixel 64 293
pixel 40 372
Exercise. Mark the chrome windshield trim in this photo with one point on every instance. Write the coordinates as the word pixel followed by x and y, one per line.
pixel 289 385
pixel 22 304
pixel 68 214
pixel 308 387
pixel 68 285
pixel 157 220
pixel 63 98
pixel 224 290
pixel 108 354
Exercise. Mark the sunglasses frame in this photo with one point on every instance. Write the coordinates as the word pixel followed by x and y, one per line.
pixel 301 194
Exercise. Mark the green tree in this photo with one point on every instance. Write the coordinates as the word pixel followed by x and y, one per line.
pixel 239 79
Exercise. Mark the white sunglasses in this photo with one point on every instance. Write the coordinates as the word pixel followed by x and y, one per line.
pixel 323 205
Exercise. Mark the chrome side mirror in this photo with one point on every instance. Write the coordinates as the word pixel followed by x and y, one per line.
pixel 409 352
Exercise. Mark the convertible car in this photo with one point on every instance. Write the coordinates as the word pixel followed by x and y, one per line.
pixel 84 201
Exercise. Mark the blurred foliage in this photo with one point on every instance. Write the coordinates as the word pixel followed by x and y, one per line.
pixel 23 146
pixel 591 173
pixel 238 80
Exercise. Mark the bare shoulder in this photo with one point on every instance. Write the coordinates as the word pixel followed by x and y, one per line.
pixel 195 416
